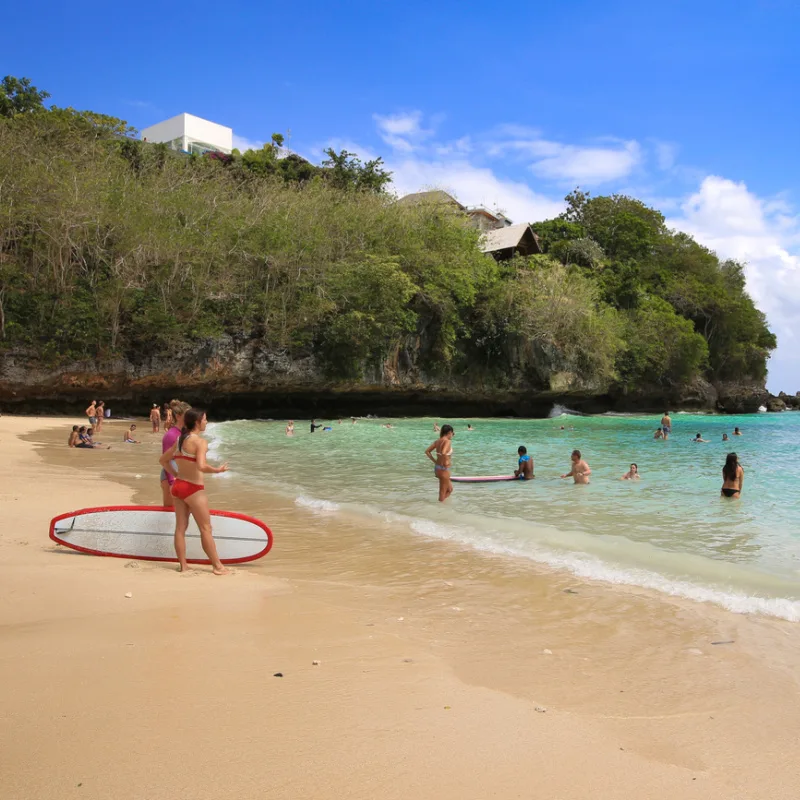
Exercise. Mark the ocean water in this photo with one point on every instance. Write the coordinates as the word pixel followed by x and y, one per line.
pixel 670 531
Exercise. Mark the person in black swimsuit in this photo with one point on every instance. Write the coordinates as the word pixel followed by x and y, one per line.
pixel 732 477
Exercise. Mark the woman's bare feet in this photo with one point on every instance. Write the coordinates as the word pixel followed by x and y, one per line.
pixel 221 570
pixel 183 567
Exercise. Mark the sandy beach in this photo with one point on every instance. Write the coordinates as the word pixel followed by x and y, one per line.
pixel 443 673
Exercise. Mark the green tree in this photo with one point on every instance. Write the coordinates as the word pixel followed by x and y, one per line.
pixel 20 96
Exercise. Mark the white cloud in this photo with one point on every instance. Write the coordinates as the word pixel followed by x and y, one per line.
pixel 736 223
pixel 402 132
pixel 587 166
pixel 242 143
pixel 666 154
pixel 473 185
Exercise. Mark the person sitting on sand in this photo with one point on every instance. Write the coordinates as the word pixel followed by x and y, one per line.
pixel 443 461
pixel 128 436
pixel 189 456
pixel 524 469
pixel 700 440
pixel 725 437
pixel 155 418
pixel 580 471
pixel 73 437
pixel 290 428
pixel 659 434
pixel 632 474
pixel 732 477
pixel 83 439
pixel 737 432
pixel 92 443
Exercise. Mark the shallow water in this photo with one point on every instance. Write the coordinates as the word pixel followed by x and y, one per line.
pixel 670 531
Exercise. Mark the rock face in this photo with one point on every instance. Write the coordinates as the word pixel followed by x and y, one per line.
pixel 243 380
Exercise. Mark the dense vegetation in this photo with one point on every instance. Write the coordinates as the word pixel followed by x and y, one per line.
pixel 113 247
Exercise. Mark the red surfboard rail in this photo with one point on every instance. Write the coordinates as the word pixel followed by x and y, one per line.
pixel 205 561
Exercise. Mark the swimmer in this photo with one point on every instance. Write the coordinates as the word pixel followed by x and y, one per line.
pixel 186 462
pixel 389 425
pixel 632 474
pixel 314 425
pixel 128 437
pixel 725 437
pixel 354 420
pixel 659 434
pixel 524 469
pixel 469 427
pixel 290 428
pixel 443 461
pixel 732 477
pixel 73 437
pixel 580 471
pixel 666 425
pixel 700 440
pixel 155 418
pixel 435 428
pixel 168 440
pixel 737 432
pixel 340 422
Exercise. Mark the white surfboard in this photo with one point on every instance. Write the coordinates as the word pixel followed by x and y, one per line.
pixel 146 533
pixel 484 479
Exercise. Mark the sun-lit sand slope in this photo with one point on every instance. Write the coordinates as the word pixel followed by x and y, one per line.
pixel 442 672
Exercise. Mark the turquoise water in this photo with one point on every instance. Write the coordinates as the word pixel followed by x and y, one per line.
pixel 670 531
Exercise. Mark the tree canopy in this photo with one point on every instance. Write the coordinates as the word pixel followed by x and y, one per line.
pixel 115 248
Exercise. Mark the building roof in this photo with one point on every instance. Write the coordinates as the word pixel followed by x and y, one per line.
pixel 435 196
pixel 503 238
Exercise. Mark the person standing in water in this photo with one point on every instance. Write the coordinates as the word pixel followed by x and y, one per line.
pixel 737 432
pixel 524 469
pixel 189 455
pixel 632 474
pixel 666 425
pixel 732 477
pixel 179 410
pixel 290 428
pixel 725 437
pixel 580 471
pixel 314 425
pixel 155 417
pixel 443 461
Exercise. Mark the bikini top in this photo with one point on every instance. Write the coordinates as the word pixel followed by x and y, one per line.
pixel 524 458
pixel 186 456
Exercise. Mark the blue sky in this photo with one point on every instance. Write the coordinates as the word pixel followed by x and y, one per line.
pixel 692 107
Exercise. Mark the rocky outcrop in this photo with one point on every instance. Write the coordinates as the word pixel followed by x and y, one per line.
pixel 241 379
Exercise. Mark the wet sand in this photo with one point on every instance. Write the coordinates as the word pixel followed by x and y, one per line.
pixel 444 673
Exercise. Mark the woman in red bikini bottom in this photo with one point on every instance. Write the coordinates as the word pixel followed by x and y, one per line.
pixel 188 491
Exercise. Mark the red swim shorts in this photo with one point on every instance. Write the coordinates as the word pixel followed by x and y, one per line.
pixel 183 489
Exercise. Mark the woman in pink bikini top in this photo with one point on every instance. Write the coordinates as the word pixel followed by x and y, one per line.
pixel 188 490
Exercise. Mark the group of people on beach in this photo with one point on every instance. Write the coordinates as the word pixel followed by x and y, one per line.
pixel 82 436
pixel 441 454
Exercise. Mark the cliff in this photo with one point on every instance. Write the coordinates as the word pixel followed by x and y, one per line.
pixel 241 379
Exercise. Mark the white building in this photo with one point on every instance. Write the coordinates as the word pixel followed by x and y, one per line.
pixel 190 134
